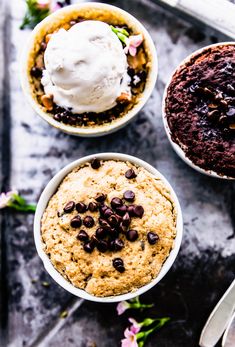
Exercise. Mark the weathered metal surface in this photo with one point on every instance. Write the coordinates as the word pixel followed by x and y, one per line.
pixel 33 152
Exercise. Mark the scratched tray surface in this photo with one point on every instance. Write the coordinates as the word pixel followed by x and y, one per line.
pixel 31 308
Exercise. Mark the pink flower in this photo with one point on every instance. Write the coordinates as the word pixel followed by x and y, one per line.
pixel 43 4
pixel 55 7
pixel 132 43
pixel 6 198
pixel 130 339
pixel 135 326
pixel 122 307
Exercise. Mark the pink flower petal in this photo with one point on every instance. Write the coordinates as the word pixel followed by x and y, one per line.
pixel 43 4
pixel 136 40
pixel 130 339
pixel 135 327
pixel 132 50
pixel 122 307
pixel 55 7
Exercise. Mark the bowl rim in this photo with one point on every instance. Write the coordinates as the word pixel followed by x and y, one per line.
pixel 106 128
pixel 175 146
pixel 51 188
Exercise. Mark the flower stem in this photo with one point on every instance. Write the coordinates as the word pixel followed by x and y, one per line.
pixel 22 208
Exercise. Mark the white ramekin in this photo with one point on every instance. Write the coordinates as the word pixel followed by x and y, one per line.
pixel 51 189
pixel 175 146
pixel 118 123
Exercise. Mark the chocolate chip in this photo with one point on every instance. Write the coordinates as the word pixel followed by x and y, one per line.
pixel 57 117
pixel 223 119
pixel 76 222
pixel 132 235
pixel 208 92
pixel 118 244
pixel 104 224
pixel 121 210
pixel 95 163
pixel 113 233
pixel 101 233
pixel 82 235
pixel 65 118
pixel 81 207
pixel 131 210
pixel 152 238
pixel 93 206
pixel 103 208
pixel 113 220
pixel 111 245
pixel 138 211
pixel 120 269
pixel 94 240
pixel 130 174
pixel 129 195
pixel 213 114
pixel 101 197
pixel 43 46
pixel 88 221
pixel 126 219
pixel 223 102
pixel 219 96
pixel 122 228
pixel 36 72
pixel 117 261
pixel 88 247
pixel 116 202
pixel 108 212
pixel 102 246
pixel 118 264
pixel 131 71
pixel 69 207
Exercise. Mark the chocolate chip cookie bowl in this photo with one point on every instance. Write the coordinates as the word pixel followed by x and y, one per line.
pixel 89 68
pixel 199 110
pixel 110 228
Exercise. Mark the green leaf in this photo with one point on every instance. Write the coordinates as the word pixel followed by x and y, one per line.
pixel 33 15
pixel 121 33
pixel 19 204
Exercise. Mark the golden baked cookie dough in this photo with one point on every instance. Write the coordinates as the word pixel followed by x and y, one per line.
pixel 94 272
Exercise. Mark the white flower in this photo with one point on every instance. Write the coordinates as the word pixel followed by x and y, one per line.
pixel 6 198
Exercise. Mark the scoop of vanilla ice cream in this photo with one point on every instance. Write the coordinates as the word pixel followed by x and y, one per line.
pixel 85 68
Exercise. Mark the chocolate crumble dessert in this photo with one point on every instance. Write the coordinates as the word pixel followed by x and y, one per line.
pixel 200 109
pixel 109 227
pixel 95 84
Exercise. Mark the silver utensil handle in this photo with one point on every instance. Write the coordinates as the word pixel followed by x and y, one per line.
pixel 219 318
pixel 219 14
pixel 229 335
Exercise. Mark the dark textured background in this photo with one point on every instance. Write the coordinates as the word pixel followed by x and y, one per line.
pixel 32 152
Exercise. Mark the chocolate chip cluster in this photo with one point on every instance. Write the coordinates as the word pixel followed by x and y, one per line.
pixel 113 220
pixel 219 107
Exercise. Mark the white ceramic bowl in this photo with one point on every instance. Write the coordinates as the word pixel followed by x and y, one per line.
pixel 175 146
pixel 118 123
pixel 51 189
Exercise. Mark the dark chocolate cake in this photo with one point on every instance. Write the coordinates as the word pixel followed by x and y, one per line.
pixel 200 109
